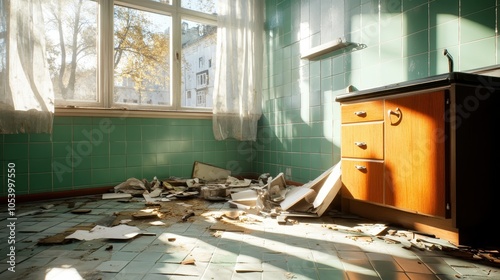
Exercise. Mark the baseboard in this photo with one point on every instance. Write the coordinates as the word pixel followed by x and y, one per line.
pixel 56 195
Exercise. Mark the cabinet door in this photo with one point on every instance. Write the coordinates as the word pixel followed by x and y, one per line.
pixel 415 153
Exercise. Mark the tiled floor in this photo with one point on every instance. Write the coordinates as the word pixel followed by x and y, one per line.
pixel 313 248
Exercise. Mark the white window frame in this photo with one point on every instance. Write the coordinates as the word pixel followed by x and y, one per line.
pixel 104 80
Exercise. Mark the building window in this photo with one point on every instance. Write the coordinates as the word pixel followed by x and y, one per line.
pixel 201 98
pixel 128 59
pixel 202 79
pixel 201 63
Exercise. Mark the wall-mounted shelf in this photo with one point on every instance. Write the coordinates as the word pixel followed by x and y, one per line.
pixel 317 52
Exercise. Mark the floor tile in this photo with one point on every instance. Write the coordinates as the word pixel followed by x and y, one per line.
pixel 393 275
pixel 303 273
pixel 413 266
pixel 327 274
pixel 148 257
pixel 176 257
pixel 112 266
pixel 362 275
pixel 129 276
pixel 357 265
pixel 386 266
pixel 421 276
pixel 438 266
pixel 218 271
pixel 137 267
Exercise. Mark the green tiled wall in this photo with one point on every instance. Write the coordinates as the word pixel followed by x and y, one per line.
pixel 402 40
pixel 87 152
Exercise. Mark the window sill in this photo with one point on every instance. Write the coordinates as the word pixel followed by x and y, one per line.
pixel 122 113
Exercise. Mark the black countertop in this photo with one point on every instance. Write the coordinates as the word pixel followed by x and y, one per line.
pixel 442 80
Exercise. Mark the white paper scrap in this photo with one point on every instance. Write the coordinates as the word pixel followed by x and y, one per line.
pixel 102 232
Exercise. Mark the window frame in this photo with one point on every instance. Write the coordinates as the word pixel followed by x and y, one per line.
pixel 104 106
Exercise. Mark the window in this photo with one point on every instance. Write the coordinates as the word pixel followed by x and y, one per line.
pixel 204 6
pixel 201 98
pixel 201 63
pixel 202 79
pixel 196 49
pixel 72 59
pixel 141 55
pixel 141 59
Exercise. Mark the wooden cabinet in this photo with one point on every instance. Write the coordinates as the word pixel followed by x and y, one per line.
pixel 420 154
pixel 396 159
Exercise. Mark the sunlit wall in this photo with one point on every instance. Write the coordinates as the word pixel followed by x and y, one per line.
pixel 398 40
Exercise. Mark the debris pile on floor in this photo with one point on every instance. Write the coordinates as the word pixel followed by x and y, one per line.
pixel 359 230
pixel 270 196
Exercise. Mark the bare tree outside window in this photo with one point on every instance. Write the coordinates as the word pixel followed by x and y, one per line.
pixel 71 36
pixel 141 56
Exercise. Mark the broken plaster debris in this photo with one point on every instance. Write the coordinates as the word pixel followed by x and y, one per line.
pixel 144 215
pixel 188 261
pixel 234 182
pixel 81 211
pixel 209 172
pixel 211 192
pixel 131 186
pixel 184 204
pixel 47 206
pixel 155 193
pixel 157 223
pixel 215 184
pixel 116 195
pixel 187 216
pixel 101 232
pixel 407 239
pixel 233 215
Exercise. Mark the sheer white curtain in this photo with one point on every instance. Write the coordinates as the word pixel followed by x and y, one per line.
pixel 26 93
pixel 238 76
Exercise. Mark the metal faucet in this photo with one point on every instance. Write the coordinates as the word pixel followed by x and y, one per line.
pixel 450 60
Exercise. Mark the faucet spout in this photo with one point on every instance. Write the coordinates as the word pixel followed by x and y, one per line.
pixel 450 60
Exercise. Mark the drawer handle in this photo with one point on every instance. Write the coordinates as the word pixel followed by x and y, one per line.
pixel 397 113
pixel 360 144
pixel 360 167
pixel 360 113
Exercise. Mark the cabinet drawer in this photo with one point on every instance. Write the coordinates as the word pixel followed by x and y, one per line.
pixel 363 179
pixel 362 112
pixel 364 140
